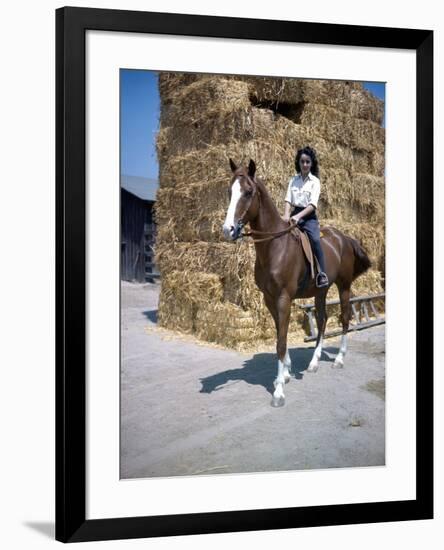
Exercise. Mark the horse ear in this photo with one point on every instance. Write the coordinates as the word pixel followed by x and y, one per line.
pixel 251 169
pixel 233 166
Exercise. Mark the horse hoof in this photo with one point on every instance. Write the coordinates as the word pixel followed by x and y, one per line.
pixel 338 365
pixel 312 368
pixel 278 402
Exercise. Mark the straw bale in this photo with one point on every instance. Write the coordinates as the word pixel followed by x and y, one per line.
pixel 232 263
pixel 369 197
pixel 354 197
pixel 332 93
pixel 208 286
pixel 205 226
pixel 348 97
pixel 378 163
pixel 208 314
pixel 341 128
pixel 236 128
pixel 172 83
pixel 206 98
pixel 336 186
pixel 363 104
pixel 192 286
pixel 182 293
pixel 246 124
pixel 225 127
pixel 330 155
pixel 368 162
pixel 236 324
pixel 274 160
pixel 276 89
pixel 196 211
pixel 175 315
pixel 362 161
pixel 210 166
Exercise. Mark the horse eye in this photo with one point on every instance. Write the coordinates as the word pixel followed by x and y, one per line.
pixel 248 193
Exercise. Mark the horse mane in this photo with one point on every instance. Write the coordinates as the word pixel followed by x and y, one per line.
pixel 265 194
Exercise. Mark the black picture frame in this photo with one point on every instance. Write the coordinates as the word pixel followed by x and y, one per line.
pixel 71 24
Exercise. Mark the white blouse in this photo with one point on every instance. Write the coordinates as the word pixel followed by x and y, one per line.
pixel 302 193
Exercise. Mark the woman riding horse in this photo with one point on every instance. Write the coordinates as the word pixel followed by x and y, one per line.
pixel 301 202
pixel 280 268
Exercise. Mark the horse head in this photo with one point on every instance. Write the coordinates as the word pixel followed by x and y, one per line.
pixel 244 200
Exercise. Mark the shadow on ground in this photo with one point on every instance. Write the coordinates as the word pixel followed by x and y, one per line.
pixel 261 370
pixel 151 315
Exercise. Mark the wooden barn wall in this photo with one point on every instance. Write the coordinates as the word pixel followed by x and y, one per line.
pixel 134 214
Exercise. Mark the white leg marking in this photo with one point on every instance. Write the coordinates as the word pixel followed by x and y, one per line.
pixel 278 395
pixel 229 219
pixel 314 363
pixel 287 367
pixel 339 361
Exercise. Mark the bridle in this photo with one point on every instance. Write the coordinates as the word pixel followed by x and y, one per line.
pixel 270 235
pixel 266 235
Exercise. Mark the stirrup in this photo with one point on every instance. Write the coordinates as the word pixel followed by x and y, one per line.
pixel 321 280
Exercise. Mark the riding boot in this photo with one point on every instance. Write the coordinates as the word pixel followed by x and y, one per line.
pixel 321 277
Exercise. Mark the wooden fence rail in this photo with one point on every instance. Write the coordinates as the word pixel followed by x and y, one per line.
pixel 361 316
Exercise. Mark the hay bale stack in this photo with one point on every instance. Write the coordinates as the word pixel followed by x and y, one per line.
pixel 208 286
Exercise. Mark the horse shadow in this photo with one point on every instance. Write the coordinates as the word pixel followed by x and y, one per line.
pixel 151 315
pixel 261 370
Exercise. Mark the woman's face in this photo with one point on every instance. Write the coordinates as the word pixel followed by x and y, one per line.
pixel 305 164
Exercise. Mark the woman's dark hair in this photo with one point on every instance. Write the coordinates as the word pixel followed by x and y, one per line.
pixel 314 160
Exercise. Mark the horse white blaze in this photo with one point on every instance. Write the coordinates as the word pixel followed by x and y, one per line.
pixel 229 219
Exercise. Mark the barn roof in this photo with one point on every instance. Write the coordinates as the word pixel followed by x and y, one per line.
pixel 144 188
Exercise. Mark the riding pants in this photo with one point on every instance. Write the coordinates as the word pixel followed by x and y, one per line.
pixel 310 224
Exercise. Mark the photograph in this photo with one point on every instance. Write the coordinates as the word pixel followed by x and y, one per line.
pixel 252 274
pixel 224 329
pixel 244 271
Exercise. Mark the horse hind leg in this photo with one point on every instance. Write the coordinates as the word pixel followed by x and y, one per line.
pixel 344 296
pixel 321 321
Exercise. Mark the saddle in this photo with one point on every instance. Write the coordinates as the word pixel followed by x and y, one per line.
pixel 306 247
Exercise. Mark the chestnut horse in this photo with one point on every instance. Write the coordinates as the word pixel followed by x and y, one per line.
pixel 281 270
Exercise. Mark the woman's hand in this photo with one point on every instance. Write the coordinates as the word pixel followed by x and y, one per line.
pixel 286 218
pixel 296 219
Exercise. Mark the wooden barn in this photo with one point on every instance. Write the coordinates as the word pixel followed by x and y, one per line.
pixel 138 230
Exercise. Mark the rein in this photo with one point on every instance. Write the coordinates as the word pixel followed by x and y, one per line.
pixel 269 235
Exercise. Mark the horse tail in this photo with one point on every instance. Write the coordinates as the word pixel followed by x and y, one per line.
pixel 362 261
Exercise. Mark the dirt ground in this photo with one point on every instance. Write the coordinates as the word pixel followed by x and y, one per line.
pixel 190 409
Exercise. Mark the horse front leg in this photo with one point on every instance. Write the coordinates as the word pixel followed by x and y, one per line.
pixel 271 304
pixel 283 375
pixel 321 321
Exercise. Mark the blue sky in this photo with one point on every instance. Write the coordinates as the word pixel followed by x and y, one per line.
pixel 140 105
